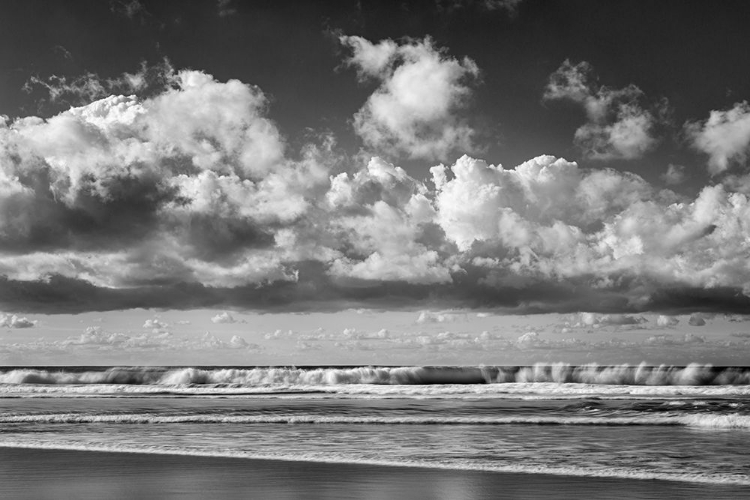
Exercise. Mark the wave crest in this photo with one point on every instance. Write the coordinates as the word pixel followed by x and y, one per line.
pixel 643 374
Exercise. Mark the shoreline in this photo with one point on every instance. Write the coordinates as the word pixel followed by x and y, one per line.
pixel 333 462
pixel 26 468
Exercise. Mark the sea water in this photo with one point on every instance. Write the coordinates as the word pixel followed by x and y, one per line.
pixel 689 424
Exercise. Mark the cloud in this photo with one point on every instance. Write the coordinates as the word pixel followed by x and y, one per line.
pixel 225 8
pixel 187 171
pixel 89 87
pixel 13 321
pixel 417 109
pixel 439 317
pixel 592 320
pixel 724 137
pixel 509 6
pixel 98 339
pixel 155 324
pixel 224 317
pixel 85 88
pixel 128 8
pixel 674 175
pixel 696 320
pixel 383 214
pixel 618 126
pixel 666 321
pixel 191 197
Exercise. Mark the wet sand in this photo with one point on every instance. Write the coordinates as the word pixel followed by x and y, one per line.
pixel 59 474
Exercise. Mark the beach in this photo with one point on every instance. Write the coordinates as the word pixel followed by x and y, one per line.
pixel 61 474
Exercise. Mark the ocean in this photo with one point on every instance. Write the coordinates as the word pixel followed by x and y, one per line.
pixel 689 424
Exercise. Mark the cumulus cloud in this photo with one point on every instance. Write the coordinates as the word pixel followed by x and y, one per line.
pixel 154 323
pixel 664 321
pixel 618 126
pixel 96 338
pixel 175 186
pixel 224 317
pixel 439 317
pixel 594 320
pixel 191 197
pixel 417 109
pixel 13 321
pixel 724 137
pixel 384 214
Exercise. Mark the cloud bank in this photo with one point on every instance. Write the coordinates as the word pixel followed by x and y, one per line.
pixel 189 196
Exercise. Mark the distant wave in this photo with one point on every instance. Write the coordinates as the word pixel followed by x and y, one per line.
pixel 333 458
pixel 730 421
pixel 638 375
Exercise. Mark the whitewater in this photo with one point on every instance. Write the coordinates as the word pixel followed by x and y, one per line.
pixel 689 423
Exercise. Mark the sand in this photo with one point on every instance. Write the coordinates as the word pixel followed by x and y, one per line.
pixel 60 474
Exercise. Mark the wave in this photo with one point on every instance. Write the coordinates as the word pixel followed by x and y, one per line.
pixel 560 373
pixel 331 458
pixel 705 421
pixel 539 391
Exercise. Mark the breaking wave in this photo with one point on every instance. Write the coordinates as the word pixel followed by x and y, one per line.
pixel 731 421
pixel 560 373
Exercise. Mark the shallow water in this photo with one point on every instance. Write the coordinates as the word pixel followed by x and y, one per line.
pixel 35 474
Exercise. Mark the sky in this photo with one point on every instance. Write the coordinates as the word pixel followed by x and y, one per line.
pixel 428 182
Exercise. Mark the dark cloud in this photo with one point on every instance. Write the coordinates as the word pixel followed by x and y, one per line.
pixel 316 291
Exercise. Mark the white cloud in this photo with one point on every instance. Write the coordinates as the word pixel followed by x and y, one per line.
pixel 724 137
pixel 279 334
pixel 179 185
pixel 664 321
pixel 388 212
pixel 97 338
pixel 528 339
pixel 439 317
pixel 588 319
pixel 155 323
pixel 194 185
pixel 224 317
pixel 416 110
pixel 238 342
pixel 13 321
pixel 618 126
